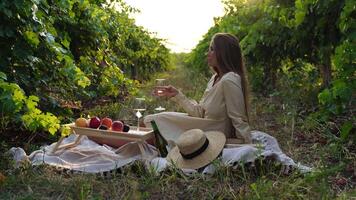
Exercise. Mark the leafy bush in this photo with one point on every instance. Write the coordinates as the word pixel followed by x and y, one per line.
pixel 72 54
pixel 17 108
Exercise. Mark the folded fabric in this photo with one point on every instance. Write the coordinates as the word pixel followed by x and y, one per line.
pixel 267 146
pixel 87 156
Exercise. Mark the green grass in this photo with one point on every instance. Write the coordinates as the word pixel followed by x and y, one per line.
pixel 135 182
pixel 263 180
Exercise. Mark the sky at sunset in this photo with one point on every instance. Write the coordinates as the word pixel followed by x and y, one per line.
pixel 181 22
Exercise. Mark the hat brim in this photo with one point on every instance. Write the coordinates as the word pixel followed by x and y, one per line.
pixel 216 144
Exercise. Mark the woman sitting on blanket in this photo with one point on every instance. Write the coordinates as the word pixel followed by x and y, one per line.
pixel 224 105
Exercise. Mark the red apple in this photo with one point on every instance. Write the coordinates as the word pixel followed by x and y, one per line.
pixel 117 126
pixel 107 122
pixel 94 122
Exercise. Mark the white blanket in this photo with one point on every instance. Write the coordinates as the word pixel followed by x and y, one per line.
pixel 268 147
pixel 87 156
pixel 91 157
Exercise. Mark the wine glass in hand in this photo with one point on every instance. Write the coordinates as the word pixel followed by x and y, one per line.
pixel 159 91
pixel 165 91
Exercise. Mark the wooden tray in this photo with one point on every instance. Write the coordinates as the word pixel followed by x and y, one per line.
pixel 133 135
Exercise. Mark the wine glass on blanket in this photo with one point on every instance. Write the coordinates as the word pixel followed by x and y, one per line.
pixel 139 108
pixel 160 82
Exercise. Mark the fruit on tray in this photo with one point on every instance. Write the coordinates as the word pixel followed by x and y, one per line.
pixel 102 124
pixel 107 122
pixel 117 126
pixel 126 128
pixel 81 122
pixel 103 127
pixel 94 122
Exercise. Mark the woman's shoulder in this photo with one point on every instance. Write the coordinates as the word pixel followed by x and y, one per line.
pixel 231 77
pixel 211 82
pixel 213 77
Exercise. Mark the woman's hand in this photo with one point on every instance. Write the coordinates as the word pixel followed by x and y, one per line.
pixel 165 91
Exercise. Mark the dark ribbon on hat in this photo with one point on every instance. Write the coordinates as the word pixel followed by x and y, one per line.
pixel 197 152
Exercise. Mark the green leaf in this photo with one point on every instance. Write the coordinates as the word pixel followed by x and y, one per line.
pixel 65 131
pixel 3 76
pixel 32 38
pixel 341 90
pixel 345 130
pixel 325 96
pixel 52 130
pixel 299 17
pixel 65 43
pixel 33 98
pixel 31 103
pixel 18 95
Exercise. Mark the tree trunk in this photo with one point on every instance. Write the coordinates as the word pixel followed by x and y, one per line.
pixel 133 72
pixel 325 72
pixel 269 79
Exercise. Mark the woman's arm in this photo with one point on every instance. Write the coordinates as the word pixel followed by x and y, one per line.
pixel 190 106
pixel 235 107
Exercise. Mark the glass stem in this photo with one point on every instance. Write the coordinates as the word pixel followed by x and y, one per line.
pixel 138 124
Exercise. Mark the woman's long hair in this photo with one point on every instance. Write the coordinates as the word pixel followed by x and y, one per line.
pixel 229 58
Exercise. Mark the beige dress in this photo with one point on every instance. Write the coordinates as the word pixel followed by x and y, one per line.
pixel 221 108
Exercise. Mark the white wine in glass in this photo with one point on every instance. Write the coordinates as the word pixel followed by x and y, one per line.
pixel 139 108
pixel 160 82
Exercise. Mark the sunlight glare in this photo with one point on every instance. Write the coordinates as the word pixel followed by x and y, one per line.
pixel 181 22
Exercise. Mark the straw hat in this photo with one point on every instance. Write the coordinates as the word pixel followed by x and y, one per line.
pixel 195 148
